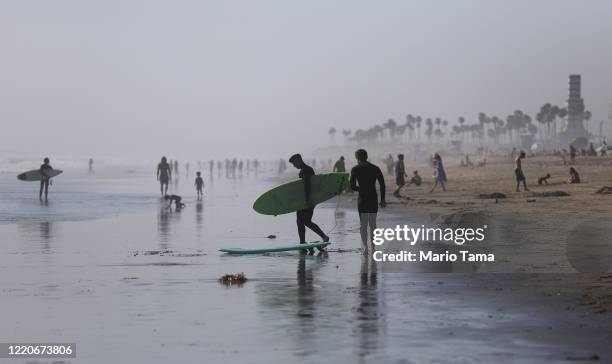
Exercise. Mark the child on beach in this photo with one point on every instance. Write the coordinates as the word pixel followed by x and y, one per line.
pixel 518 171
pixel 400 173
pixel 439 173
pixel 544 180
pixel 199 184
pixel 176 199
pixel 416 179
pixel 574 176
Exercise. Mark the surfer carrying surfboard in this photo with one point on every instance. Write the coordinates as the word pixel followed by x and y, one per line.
pixel 363 180
pixel 46 178
pixel 304 217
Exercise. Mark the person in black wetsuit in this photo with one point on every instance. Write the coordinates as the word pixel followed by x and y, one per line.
pixel 44 181
pixel 363 180
pixel 304 217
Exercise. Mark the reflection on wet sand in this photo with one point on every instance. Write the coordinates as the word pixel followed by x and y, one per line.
pixel 164 222
pixel 369 320
pixel 199 217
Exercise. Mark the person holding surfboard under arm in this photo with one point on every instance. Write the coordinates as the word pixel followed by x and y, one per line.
pixel 304 217
pixel 46 179
pixel 363 180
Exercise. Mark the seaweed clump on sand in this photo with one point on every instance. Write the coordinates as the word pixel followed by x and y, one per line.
pixel 233 279
pixel 551 194
pixel 606 190
pixel 492 195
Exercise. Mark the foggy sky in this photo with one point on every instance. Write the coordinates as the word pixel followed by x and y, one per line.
pixel 261 78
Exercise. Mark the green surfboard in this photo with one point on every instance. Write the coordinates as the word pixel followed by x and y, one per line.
pixel 273 249
pixel 289 197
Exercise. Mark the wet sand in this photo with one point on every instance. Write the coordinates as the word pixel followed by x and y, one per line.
pixel 141 286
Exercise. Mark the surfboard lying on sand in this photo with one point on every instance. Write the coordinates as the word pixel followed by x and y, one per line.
pixel 289 197
pixel 273 249
pixel 36 174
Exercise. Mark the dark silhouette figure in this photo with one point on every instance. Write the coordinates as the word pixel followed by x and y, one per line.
pixel 574 176
pixel 164 174
pixel 199 184
pixel 177 201
pixel 518 171
pixel 400 174
pixel 46 179
pixel 544 180
pixel 363 180
pixel 90 165
pixel 304 217
pixel 339 165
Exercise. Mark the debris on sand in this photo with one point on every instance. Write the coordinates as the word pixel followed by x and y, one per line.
pixel 492 195
pixel 271 236
pixel 550 194
pixel 231 279
pixel 606 190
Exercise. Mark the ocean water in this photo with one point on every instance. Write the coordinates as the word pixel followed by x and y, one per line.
pixel 105 265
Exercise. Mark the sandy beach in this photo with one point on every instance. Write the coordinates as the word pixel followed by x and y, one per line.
pixel 145 280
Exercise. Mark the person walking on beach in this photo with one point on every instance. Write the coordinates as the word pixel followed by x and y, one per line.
pixel 164 174
pixel 400 174
pixel 339 165
pixel 199 184
pixel 518 171
pixel 363 180
pixel 304 217
pixel 439 173
pixel 45 179
pixel 90 165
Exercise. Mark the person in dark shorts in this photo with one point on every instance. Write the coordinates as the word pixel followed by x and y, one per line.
pixel 45 180
pixel 164 174
pixel 363 180
pixel 304 217
pixel 199 184
pixel 400 174
pixel 518 171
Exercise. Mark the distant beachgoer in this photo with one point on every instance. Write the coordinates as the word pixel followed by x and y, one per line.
pixel 400 174
pixel 90 165
pixel 304 216
pixel 604 148
pixel 211 167
pixel 176 167
pixel 389 163
pixel 187 170
pixel 572 154
pixel 439 173
pixel 339 165
pixel 45 180
pixel 518 171
pixel 176 199
pixel 363 180
pixel 199 184
pixel 574 176
pixel 164 174
pixel 544 180
pixel 592 152
pixel 416 179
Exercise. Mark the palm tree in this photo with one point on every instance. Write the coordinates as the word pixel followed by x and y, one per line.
pixel 346 133
pixel 332 134
pixel 587 116
pixel 392 126
pixel 461 121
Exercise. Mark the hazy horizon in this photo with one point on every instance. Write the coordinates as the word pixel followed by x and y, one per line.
pixel 266 78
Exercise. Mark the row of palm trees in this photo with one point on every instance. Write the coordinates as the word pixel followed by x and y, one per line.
pixel 487 128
